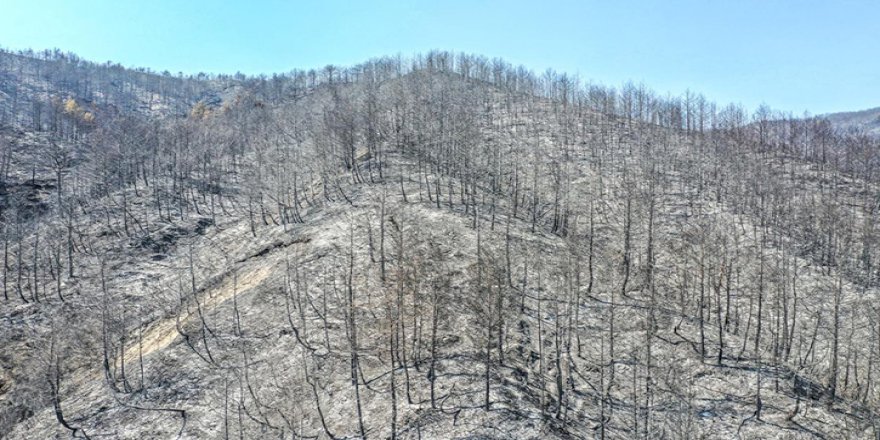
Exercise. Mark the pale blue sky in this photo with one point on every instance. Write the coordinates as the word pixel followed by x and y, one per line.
pixel 792 55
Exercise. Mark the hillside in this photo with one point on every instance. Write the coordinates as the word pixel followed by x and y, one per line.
pixel 867 120
pixel 442 247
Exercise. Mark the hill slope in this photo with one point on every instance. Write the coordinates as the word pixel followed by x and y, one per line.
pixel 867 120
pixel 453 250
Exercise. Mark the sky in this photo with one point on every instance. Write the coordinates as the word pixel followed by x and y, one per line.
pixel 807 55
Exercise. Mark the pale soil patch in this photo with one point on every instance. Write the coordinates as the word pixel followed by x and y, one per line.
pixel 164 332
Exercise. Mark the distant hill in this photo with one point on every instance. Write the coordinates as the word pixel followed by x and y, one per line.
pixel 868 120
pixel 33 86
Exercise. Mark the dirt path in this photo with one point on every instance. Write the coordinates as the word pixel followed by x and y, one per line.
pixel 164 332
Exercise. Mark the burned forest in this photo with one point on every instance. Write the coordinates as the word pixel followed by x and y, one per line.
pixel 442 245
